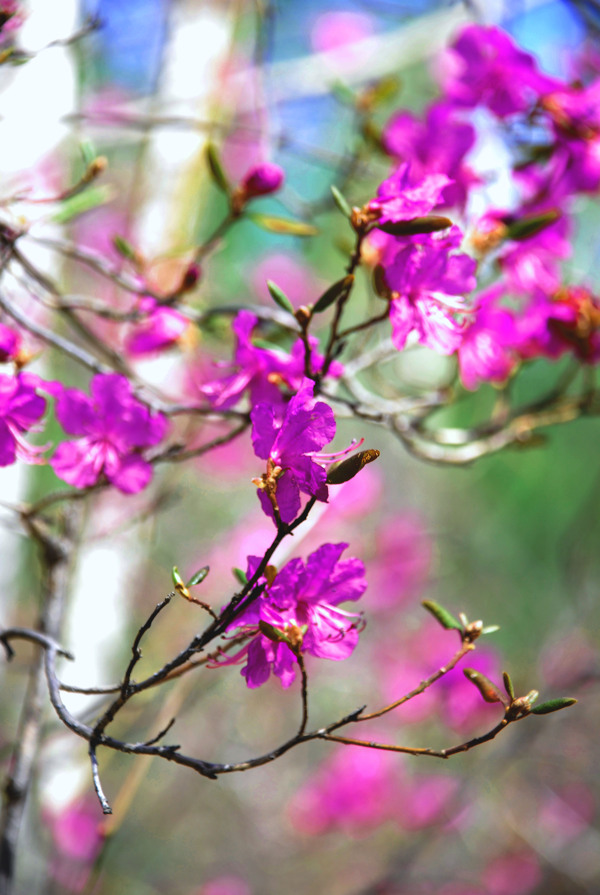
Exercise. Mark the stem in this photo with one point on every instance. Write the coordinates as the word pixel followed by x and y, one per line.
pixel 56 558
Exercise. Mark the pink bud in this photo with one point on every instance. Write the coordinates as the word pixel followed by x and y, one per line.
pixel 262 179
pixel 10 342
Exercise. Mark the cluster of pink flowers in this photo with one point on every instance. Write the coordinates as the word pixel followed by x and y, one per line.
pixel 527 311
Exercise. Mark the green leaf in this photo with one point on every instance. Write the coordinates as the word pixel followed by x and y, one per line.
pixel 488 690
pixel 341 202
pixel 241 576
pixel 445 618
pixel 283 225
pixel 531 226
pixel 82 202
pixel 124 248
pixel 344 470
pixel 199 576
pixel 88 152
pixel 343 93
pixel 179 584
pixel 279 297
pixel 216 168
pixel 508 685
pixel 331 295
pixel 429 223
pixel 553 705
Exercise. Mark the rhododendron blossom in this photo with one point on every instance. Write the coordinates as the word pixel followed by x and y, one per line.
pixel 399 200
pixel 427 284
pixel 289 443
pixel 20 409
pixel 261 371
pixel 302 604
pixel 484 66
pixel 115 427
pixel 487 349
pixel 160 330
pixel 419 144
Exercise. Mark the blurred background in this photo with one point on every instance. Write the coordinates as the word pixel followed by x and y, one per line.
pixel 511 539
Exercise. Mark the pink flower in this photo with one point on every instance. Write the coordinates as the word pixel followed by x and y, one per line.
pixel 289 443
pixel 428 280
pixel 487 349
pixel 20 409
pixel 398 200
pixel 115 427
pixel 261 371
pixel 437 145
pixel 160 330
pixel 485 67
pixel 301 602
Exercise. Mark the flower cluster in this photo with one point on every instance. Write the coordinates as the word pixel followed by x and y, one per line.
pixel 527 311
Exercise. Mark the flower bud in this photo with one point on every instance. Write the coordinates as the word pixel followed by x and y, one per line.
pixel 344 470
pixel 190 277
pixel 262 179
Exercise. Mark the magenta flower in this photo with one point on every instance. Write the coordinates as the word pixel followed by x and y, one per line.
pixel 160 330
pixel 20 409
pixel 437 145
pixel 484 67
pixel 289 444
pixel 115 427
pixel 430 283
pixel 487 349
pixel 399 200
pixel 541 328
pixel 261 371
pixel 301 603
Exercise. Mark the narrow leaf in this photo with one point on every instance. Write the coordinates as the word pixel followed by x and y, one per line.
pixel 445 618
pixel 241 576
pixel 553 705
pixel 216 168
pixel 179 584
pixel 88 152
pixel 331 295
pixel 279 297
pixel 343 93
pixel 283 225
pixel 123 247
pixel 525 228
pixel 488 690
pixel 82 202
pixel 199 576
pixel 430 223
pixel 341 202
pixel 508 685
